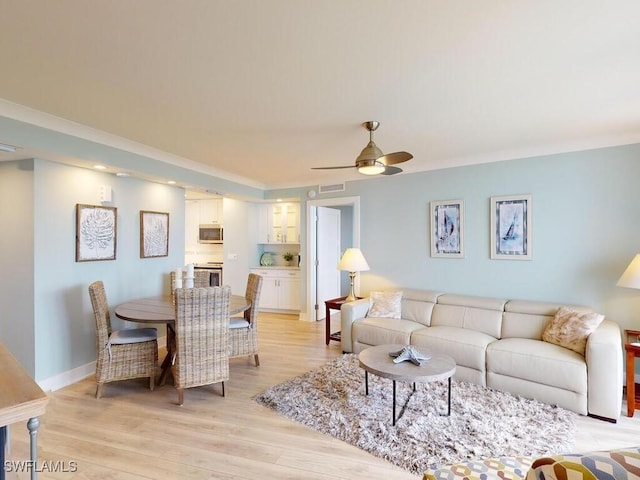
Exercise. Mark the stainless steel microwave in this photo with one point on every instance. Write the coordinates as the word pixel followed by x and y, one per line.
pixel 210 233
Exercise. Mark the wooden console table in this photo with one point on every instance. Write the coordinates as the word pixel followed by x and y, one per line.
pixel 632 347
pixel 333 304
pixel 20 399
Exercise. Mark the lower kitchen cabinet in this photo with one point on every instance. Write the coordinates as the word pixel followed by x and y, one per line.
pixel 280 288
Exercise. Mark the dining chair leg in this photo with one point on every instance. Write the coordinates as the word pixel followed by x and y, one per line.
pixel 180 396
pixel 152 382
pixel 223 390
pixel 99 390
pixel 255 357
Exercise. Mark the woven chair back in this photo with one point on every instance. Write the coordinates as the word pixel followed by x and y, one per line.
pixel 100 312
pixel 202 336
pixel 201 279
pixel 252 293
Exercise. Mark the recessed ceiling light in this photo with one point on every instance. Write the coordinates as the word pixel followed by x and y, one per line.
pixel 7 148
pixel 171 182
pixel 99 167
pixel 122 174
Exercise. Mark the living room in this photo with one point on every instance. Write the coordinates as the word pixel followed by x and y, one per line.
pixel 584 202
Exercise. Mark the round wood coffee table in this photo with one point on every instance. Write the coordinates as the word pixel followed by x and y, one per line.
pixel 377 360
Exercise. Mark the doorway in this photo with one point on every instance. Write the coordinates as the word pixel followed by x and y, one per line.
pixel 350 237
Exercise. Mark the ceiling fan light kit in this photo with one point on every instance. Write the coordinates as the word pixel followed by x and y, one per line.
pixel 371 160
pixel 370 167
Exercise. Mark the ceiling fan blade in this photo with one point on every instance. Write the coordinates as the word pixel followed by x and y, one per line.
pixel 391 170
pixel 396 157
pixel 332 168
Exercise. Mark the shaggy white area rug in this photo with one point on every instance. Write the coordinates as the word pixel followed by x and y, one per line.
pixel 483 422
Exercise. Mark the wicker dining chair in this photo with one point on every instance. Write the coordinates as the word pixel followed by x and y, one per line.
pixel 202 338
pixel 201 279
pixel 121 354
pixel 243 331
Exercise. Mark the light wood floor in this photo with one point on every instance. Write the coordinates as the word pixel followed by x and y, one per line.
pixel 132 433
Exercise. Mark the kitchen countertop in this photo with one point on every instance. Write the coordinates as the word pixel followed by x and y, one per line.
pixel 275 267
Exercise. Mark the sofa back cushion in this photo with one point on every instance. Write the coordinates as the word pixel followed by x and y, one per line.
pixel 528 319
pixel 482 314
pixel 417 305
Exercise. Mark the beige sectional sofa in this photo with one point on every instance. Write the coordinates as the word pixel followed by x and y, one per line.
pixel 498 343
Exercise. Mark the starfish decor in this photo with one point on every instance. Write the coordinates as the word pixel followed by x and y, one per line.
pixel 411 354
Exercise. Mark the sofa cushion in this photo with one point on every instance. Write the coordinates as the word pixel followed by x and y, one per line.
pixel 378 331
pixel 385 304
pixel 467 347
pixel 474 313
pixel 570 329
pixel 539 362
pixel 527 319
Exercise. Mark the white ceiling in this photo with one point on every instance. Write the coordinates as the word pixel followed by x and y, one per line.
pixel 267 89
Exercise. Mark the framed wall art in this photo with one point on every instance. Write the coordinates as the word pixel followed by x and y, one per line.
pixel 447 229
pixel 154 234
pixel 95 233
pixel 511 227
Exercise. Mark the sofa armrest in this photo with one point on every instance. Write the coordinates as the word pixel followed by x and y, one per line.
pixel 349 313
pixel 604 368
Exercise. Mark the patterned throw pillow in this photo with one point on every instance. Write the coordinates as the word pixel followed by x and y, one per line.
pixel 385 305
pixel 570 329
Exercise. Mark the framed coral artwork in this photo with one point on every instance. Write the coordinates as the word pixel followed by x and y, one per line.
pixel 447 229
pixel 95 233
pixel 511 227
pixel 154 234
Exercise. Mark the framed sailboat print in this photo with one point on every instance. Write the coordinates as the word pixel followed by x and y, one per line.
pixel 447 228
pixel 511 227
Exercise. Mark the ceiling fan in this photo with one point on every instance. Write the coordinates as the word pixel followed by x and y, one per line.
pixel 371 160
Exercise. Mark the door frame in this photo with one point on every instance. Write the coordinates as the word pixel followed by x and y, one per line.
pixel 354 202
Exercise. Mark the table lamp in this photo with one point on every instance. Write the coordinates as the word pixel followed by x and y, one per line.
pixel 352 261
pixel 631 276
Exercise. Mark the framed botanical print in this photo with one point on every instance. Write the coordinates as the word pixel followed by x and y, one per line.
pixel 95 233
pixel 447 229
pixel 154 234
pixel 511 227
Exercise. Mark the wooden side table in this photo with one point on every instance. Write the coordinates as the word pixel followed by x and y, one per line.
pixel 632 347
pixel 333 304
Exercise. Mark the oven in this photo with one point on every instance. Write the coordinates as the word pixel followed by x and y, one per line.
pixel 215 271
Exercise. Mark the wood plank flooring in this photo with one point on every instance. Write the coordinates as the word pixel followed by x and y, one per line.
pixel 132 433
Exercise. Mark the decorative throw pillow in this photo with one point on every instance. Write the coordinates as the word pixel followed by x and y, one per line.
pixel 385 304
pixel 570 329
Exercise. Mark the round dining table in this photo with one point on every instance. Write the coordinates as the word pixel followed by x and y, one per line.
pixel 161 309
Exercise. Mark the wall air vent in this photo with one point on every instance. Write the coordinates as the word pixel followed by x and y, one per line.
pixel 336 187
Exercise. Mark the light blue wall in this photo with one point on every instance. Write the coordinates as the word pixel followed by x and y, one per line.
pixel 62 325
pixel 16 260
pixel 586 229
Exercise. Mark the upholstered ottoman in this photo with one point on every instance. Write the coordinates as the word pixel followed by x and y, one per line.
pixel 621 464
pixel 501 468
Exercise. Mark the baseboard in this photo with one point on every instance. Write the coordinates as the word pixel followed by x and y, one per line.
pixel 77 374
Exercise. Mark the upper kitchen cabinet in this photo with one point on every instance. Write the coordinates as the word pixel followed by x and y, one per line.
pixel 210 210
pixel 279 223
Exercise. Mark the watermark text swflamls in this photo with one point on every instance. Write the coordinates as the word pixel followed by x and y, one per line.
pixel 48 466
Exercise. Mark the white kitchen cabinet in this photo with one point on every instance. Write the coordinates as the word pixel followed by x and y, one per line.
pixel 280 288
pixel 211 210
pixel 279 223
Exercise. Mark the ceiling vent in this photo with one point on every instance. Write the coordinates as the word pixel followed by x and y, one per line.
pixel 336 187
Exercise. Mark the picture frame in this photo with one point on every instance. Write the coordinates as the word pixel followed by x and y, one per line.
pixel 511 227
pixel 154 234
pixel 96 232
pixel 447 229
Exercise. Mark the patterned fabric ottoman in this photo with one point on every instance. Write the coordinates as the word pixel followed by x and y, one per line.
pixel 622 464
pixel 501 468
